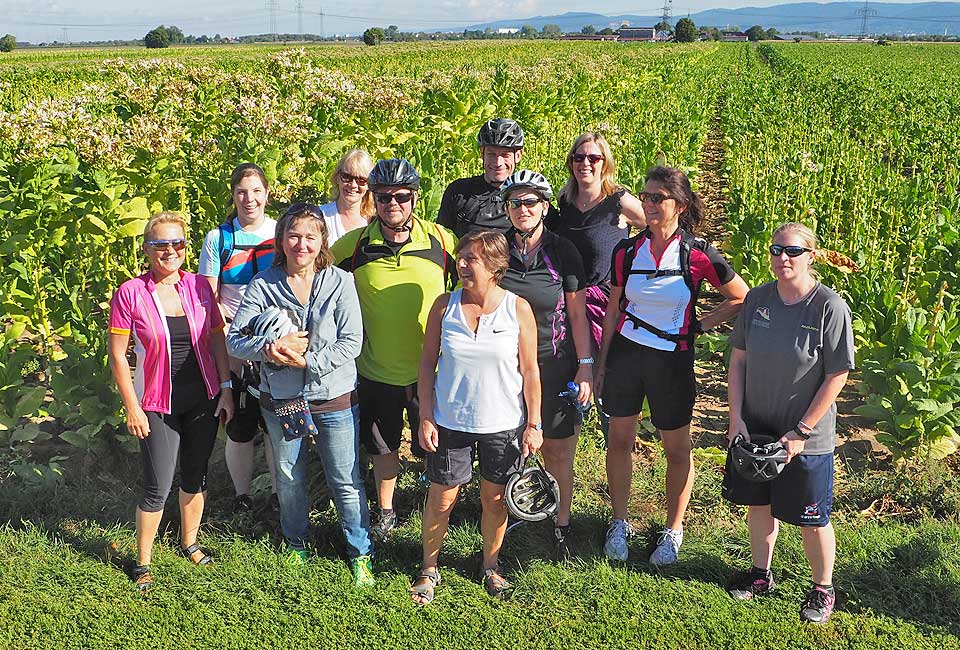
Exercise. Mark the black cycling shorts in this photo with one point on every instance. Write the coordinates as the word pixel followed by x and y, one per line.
pixel 559 417
pixel 381 416
pixel 246 419
pixel 665 379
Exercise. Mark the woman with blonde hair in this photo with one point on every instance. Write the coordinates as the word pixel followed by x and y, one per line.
pixel 595 212
pixel 352 204
pixel 791 352
pixel 181 387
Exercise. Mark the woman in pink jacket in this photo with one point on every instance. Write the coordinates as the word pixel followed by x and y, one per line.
pixel 180 389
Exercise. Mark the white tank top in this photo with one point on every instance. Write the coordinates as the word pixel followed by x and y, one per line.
pixel 479 388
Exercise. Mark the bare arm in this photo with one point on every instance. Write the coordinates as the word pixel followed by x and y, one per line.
pixel 631 211
pixel 736 376
pixel 530 370
pixel 734 292
pixel 117 352
pixel 427 374
pixel 826 395
pixel 610 319
pixel 577 313
pixel 218 344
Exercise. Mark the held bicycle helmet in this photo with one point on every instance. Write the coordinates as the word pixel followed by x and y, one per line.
pixel 759 460
pixel 500 132
pixel 273 323
pixel 393 172
pixel 525 179
pixel 532 494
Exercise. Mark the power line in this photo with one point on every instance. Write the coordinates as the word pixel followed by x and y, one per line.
pixel 300 18
pixel 865 12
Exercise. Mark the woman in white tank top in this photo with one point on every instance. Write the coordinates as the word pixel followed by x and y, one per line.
pixel 479 389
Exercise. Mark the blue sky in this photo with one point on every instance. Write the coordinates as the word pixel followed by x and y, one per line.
pixel 83 20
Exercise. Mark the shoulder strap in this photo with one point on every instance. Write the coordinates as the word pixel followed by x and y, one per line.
pixel 226 242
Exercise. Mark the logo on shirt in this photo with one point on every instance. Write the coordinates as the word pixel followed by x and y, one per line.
pixel 761 317
pixel 811 512
pixel 810 328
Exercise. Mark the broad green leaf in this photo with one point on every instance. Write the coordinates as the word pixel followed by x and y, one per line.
pixel 29 401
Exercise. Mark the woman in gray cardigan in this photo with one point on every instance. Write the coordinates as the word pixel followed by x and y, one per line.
pixel 316 362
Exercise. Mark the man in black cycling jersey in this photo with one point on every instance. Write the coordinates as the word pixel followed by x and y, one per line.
pixel 474 203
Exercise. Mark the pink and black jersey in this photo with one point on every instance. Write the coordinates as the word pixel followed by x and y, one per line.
pixel 656 292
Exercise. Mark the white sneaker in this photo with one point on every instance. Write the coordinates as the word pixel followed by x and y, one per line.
pixel 616 544
pixel 668 545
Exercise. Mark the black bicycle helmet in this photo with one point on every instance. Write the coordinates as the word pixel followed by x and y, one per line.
pixel 393 172
pixel 532 494
pixel 500 132
pixel 759 460
pixel 525 179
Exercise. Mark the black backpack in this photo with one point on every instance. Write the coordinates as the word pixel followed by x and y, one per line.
pixel 687 242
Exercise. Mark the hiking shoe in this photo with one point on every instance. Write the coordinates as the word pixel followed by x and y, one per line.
pixel 561 543
pixel 297 556
pixel 818 605
pixel 386 523
pixel 242 503
pixel 616 544
pixel 362 569
pixel 744 585
pixel 668 545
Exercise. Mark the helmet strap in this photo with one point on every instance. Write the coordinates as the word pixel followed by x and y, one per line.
pixel 403 227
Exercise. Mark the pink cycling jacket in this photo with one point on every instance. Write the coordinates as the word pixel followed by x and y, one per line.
pixel 136 309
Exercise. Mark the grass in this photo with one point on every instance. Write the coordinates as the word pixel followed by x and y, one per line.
pixel 62 583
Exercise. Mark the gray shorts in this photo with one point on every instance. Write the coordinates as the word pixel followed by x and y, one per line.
pixel 452 463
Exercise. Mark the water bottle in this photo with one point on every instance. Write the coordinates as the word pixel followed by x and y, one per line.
pixel 571 395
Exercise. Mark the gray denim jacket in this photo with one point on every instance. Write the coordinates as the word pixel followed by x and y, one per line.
pixel 336 334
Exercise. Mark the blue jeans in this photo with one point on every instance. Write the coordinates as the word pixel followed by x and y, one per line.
pixel 338 443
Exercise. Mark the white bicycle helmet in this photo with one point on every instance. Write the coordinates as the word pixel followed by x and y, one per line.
pixel 526 180
pixel 273 323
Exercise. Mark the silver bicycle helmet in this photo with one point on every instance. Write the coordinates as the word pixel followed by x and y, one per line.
pixel 273 323
pixel 500 132
pixel 759 460
pixel 526 180
pixel 532 494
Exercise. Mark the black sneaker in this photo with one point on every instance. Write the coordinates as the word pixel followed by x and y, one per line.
pixel 562 551
pixel 744 585
pixel 818 605
pixel 386 523
pixel 242 503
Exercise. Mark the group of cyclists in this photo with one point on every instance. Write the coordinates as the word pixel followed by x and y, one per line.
pixel 488 332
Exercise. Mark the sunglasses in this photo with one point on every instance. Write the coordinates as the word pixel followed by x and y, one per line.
pixel 164 244
pixel 347 178
pixel 529 203
pixel 792 251
pixel 297 208
pixel 384 198
pixel 594 158
pixel 653 197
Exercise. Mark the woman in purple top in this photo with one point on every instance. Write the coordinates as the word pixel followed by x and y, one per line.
pixel 595 212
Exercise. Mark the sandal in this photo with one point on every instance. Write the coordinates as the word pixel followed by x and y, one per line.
pixel 142 580
pixel 205 558
pixel 496 585
pixel 424 586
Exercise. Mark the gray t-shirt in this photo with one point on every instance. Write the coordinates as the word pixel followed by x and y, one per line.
pixel 790 350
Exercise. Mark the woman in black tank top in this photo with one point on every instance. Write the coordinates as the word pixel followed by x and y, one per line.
pixel 595 213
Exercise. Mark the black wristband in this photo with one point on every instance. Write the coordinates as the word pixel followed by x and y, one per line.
pixel 796 430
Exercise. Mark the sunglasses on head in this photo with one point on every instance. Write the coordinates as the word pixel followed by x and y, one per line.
pixel 654 197
pixel 384 198
pixel 592 157
pixel 516 203
pixel 792 251
pixel 297 208
pixel 347 178
pixel 163 244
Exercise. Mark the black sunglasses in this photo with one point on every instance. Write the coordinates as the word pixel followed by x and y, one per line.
pixel 792 251
pixel 384 198
pixel 298 208
pixel 653 197
pixel 516 203
pixel 163 244
pixel 592 157
pixel 348 178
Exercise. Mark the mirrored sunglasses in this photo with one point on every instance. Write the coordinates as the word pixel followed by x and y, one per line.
pixel 529 203
pixel 792 251
pixel 164 244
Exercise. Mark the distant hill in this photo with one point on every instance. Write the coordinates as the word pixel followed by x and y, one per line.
pixel 831 18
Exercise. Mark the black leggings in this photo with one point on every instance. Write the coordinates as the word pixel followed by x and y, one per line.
pixel 191 431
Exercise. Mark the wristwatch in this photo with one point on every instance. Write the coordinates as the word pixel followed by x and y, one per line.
pixel 536 426
pixel 585 362
pixel 226 384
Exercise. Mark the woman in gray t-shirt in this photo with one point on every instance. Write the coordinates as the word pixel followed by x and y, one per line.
pixel 792 352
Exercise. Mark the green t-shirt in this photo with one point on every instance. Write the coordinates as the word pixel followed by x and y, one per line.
pixel 790 351
pixel 396 289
